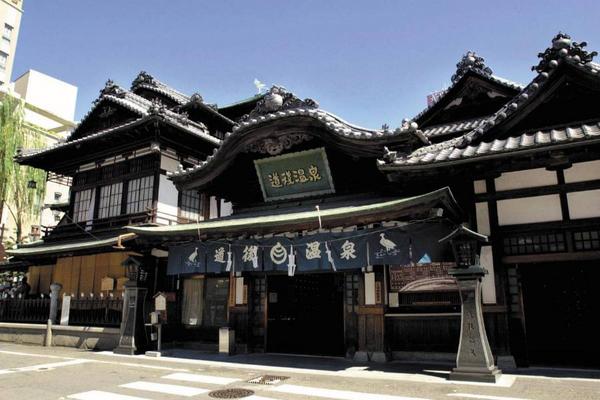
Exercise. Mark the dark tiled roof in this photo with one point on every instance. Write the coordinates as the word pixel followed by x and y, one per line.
pixel 473 144
pixel 442 155
pixel 493 78
pixel 147 81
pixel 453 127
pixel 137 104
pixel 331 122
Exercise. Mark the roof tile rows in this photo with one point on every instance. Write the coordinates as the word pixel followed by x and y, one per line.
pixel 532 140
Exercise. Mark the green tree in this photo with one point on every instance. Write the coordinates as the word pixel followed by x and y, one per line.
pixel 22 201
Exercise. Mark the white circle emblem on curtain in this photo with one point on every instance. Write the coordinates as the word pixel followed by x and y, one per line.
pixel 278 254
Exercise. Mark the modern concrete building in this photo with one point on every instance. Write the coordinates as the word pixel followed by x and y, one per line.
pixel 49 108
pixel 10 21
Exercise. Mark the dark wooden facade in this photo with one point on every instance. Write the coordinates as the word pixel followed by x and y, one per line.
pixel 522 162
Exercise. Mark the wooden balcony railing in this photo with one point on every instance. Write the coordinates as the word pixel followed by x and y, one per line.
pixel 77 229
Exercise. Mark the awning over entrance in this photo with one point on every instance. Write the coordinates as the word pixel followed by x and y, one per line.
pixel 307 220
pixel 41 249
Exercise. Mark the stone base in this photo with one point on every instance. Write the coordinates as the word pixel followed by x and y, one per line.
pixel 376 356
pixel 506 362
pixel 475 375
pixel 125 350
pixel 153 354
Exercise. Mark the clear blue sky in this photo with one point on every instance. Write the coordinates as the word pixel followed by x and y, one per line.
pixel 371 62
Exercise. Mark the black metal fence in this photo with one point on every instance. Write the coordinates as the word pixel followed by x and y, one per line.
pixel 96 312
pixel 83 312
pixel 24 310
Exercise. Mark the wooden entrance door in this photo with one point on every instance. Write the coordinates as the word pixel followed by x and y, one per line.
pixel 561 309
pixel 305 314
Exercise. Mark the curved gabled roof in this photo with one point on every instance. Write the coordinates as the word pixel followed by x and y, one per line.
pixel 146 81
pixel 469 65
pixel 563 54
pixel 290 110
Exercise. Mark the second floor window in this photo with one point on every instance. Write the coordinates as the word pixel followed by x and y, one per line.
pixel 190 208
pixel 139 194
pixel 109 203
pixel 82 206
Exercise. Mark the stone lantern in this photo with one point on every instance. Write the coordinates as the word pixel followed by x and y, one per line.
pixel 474 360
pixel 131 338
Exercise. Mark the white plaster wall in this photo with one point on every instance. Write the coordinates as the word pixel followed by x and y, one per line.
pixel 214 209
pixel 168 163
pixel 529 210
pixel 488 284
pixel 480 186
pixel 584 171
pixel 226 208
pixel 483 218
pixel 585 204
pixel 525 179
pixel 167 201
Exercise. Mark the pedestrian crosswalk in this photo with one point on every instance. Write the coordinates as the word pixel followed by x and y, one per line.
pixel 165 388
pixel 193 385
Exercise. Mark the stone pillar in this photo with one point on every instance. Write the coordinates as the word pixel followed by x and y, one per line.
pixel 54 292
pixel 474 361
pixel 132 323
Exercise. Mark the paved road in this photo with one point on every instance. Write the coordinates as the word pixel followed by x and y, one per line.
pixel 28 372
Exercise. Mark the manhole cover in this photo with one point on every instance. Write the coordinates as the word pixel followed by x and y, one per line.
pixel 231 393
pixel 268 379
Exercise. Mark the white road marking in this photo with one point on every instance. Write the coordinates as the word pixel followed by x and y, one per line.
pixel 483 396
pixel 338 394
pixel 178 390
pixel 19 353
pixel 215 380
pixel 100 395
pixel 43 367
pixel 350 372
pixel 126 364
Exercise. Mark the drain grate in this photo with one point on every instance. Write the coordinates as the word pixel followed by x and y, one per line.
pixel 233 393
pixel 268 379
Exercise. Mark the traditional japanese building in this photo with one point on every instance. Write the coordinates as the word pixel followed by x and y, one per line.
pixel 306 234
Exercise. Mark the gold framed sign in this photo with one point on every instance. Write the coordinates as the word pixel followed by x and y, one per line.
pixel 293 175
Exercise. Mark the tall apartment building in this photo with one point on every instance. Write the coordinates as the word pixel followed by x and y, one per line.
pixel 10 21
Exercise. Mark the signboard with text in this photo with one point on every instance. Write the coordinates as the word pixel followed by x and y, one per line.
pixel 293 175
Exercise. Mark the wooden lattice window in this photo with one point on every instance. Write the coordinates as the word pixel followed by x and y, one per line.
pixel 139 194
pixel 110 200
pixel 190 206
pixel 535 244
pixel 587 240
pixel 81 205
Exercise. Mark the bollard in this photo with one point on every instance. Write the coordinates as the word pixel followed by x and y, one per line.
pixel 48 339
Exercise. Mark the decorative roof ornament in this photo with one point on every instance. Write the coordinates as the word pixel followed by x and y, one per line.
pixel 143 78
pixel 407 125
pixel 196 98
pixel 470 61
pixel 276 99
pixel 110 88
pixel 563 47
pixel 157 107
pixel 276 145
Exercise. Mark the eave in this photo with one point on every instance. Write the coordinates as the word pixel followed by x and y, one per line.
pixel 308 220
pixel 349 138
